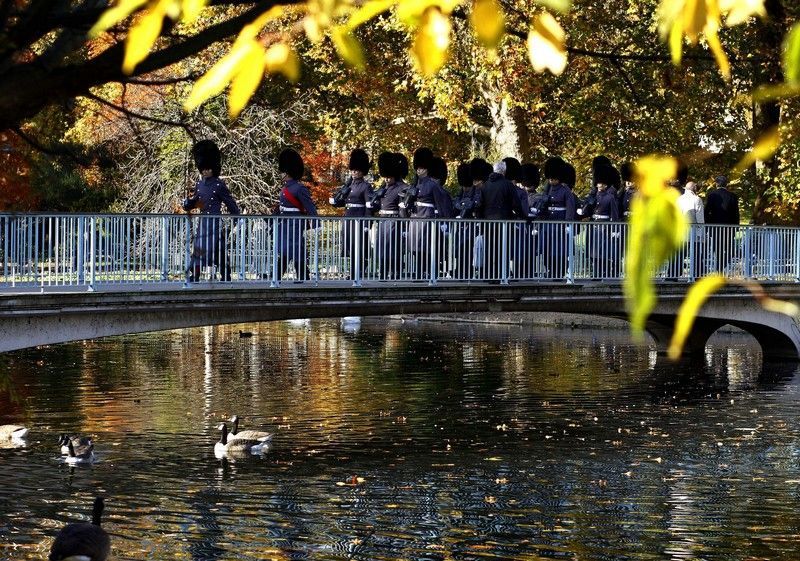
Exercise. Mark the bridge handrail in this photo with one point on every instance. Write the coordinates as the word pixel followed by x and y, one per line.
pixel 93 250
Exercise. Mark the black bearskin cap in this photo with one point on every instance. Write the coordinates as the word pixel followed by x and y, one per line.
pixel 480 169
pixel 290 163
pixel 513 168
pixel 605 175
pixel 207 156
pixel 423 158
pixel 626 171
pixel 402 165
pixel 569 174
pixel 683 172
pixel 438 170
pixel 529 175
pixel 601 161
pixel 359 161
pixel 464 175
pixel 554 168
pixel 387 164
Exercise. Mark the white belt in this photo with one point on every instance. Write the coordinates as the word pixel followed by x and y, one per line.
pixel 388 212
pixel 627 213
pixel 601 217
pixel 289 209
pixel 354 205
pixel 428 205
pixel 558 208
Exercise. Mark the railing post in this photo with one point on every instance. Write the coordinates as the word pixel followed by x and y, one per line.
pixel 355 232
pixel 771 273
pixel 240 239
pixel 432 262
pixel 504 254
pixel 797 255
pixel 164 248
pixel 80 257
pixel 571 252
pixel 276 282
pixel 692 255
pixel 747 253
pixel 315 259
pixel 92 251
pixel 6 221
pixel 188 252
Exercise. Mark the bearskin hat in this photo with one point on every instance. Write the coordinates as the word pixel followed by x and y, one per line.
pixel 513 168
pixel 207 156
pixel 683 172
pixel 529 174
pixel 402 165
pixel 604 175
pixel 480 169
pixel 438 169
pixel 626 171
pixel 554 168
pixel 464 175
pixel 569 174
pixel 423 158
pixel 359 161
pixel 387 164
pixel 290 163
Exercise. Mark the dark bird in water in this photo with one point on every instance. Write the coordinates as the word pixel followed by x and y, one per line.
pixel 83 542
pixel 244 334
pixel 79 443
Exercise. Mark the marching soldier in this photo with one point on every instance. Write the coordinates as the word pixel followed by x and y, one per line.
pixel 358 194
pixel 208 195
pixel 603 241
pixel 294 203
pixel 561 206
pixel 393 167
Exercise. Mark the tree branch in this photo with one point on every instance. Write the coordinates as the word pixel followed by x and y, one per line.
pixel 129 113
pixel 60 150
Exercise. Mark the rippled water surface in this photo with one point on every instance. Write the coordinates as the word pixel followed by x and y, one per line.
pixel 406 440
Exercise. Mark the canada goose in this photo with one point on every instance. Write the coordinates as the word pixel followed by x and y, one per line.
pixel 80 443
pixel 13 432
pixel 238 446
pixel 82 456
pixel 236 434
pixel 82 542
pixel 245 334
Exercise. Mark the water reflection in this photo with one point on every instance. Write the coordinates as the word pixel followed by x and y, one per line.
pixel 406 440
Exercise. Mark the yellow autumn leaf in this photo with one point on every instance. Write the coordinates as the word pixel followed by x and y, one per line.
pixel 695 298
pixel 114 15
pixel 368 11
pixel 190 9
pixel 142 37
pixel 547 44
pixel 719 54
pixel 739 11
pixel 762 150
pixel 431 42
pixel 251 30
pixel 656 229
pixel 562 6
pixel 348 47
pixel 412 12
pixel 246 81
pixel 281 58
pixel 218 76
pixel 695 18
pixel 488 22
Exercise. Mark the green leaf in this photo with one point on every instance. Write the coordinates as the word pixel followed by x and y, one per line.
pixel 114 15
pixel 246 81
pixel 791 55
pixel 696 297
pixel 348 47
pixel 142 37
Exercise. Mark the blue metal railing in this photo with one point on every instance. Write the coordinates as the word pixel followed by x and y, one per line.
pixel 54 250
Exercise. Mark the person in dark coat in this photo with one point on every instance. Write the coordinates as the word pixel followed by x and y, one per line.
pixel 501 202
pixel 393 167
pixel 528 244
pixel 561 206
pixel 355 233
pixel 431 201
pixel 295 204
pixel 444 257
pixel 603 237
pixel 518 240
pixel 209 195
pixel 627 192
pixel 467 203
pixel 722 208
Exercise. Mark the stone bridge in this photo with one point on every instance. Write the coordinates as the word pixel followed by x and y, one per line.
pixel 28 319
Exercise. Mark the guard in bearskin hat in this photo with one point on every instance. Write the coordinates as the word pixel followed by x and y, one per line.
pixel 603 241
pixel 294 205
pixel 628 191
pixel 427 199
pixel 209 194
pixel 393 167
pixel 467 204
pixel 354 196
pixel 561 204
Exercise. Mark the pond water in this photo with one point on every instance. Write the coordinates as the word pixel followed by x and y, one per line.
pixel 406 440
